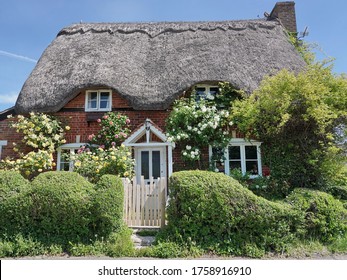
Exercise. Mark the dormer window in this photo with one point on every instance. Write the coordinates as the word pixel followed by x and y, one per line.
pixel 98 100
pixel 204 92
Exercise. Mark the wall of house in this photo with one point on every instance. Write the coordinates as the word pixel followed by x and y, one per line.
pixel 11 136
pixel 83 124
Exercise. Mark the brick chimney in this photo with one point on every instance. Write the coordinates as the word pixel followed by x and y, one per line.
pixel 285 13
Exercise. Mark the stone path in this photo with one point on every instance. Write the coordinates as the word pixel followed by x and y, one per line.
pixel 141 241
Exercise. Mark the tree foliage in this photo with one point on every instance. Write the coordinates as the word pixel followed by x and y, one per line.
pixel 300 118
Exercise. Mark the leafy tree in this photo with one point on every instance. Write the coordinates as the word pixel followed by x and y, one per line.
pixel 301 119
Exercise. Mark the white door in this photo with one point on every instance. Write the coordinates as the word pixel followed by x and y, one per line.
pixel 150 162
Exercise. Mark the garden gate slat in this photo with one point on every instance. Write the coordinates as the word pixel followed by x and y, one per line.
pixel 144 204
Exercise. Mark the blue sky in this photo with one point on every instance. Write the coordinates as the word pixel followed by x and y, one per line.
pixel 27 27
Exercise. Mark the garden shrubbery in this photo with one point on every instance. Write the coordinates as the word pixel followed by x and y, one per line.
pixel 61 211
pixel 325 217
pixel 14 202
pixel 62 204
pixel 108 205
pixel 216 213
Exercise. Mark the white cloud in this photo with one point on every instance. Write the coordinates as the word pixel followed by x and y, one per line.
pixel 17 56
pixel 8 98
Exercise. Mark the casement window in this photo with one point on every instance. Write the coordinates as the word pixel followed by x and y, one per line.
pixel 241 154
pixel 206 92
pixel 98 100
pixel 64 153
pixel 2 143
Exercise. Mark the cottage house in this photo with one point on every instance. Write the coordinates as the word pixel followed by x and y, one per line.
pixel 139 69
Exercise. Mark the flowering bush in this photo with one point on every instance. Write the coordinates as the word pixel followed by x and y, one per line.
pixel 92 163
pixel 114 130
pixel 42 134
pixel 104 154
pixel 195 125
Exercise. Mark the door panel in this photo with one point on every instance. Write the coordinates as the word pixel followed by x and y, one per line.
pixel 151 162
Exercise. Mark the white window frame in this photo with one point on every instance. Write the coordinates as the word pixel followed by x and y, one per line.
pixel 2 143
pixel 98 92
pixel 242 143
pixel 68 147
pixel 207 88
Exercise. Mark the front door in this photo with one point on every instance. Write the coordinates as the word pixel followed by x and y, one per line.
pixel 150 162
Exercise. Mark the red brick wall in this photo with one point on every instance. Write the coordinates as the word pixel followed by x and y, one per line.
pixel 73 114
pixel 9 134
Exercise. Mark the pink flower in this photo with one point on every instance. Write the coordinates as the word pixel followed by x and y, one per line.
pixel 90 137
pixel 111 123
pixel 113 144
pixel 127 121
pixel 105 117
pixel 98 120
pixel 116 136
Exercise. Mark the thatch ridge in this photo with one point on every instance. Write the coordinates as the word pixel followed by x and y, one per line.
pixel 151 64
pixel 154 29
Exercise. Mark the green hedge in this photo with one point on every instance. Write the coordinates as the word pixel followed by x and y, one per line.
pixel 215 212
pixel 339 192
pixel 15 203
pixel 60 207
pixel 62 203
pixel 11 183
pixel 108 205
pixel 325 216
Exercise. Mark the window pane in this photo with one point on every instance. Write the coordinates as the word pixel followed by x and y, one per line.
pixel 156 164
pixel 234 152
pixel 145 164
pixel 252 167
pixel 104 100
pixel 234 165
pixel 251 152
pixel 92 100
pixel 214 91
pixel 64 160
pixel 200 93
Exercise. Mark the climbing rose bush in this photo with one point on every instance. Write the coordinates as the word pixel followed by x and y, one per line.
pixel 92 163
pixel 195 125
pixel 104 154
pixel 42 134
pixel 40 131
pixel 114 129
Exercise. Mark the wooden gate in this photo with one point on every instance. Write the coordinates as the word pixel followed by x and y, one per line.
pixel 144 204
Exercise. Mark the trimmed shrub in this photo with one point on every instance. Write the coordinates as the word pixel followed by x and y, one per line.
pixel 61 210
pixel 216 213
pixel 339 192
pixel 11 183
pixel 14 203
pixel 108 205
pixel 325 216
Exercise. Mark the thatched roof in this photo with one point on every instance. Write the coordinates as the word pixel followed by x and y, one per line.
pixel 150 64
